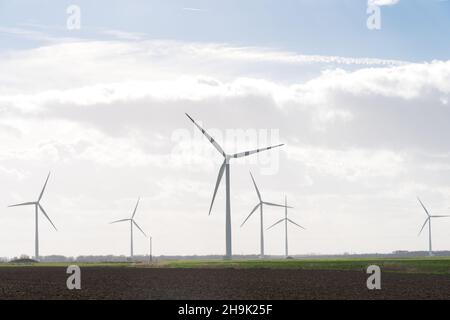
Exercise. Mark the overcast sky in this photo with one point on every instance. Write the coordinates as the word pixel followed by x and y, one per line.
pixel 364 115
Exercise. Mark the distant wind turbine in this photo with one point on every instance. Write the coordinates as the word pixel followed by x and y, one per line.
pixel 225 167
pixel 150 257
pixel 260 206
pixel 428 220
pixel 132 222
pixel 37 205
pixel 286 220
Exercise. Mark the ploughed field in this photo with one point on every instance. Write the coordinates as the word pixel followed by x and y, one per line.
pixel 187 280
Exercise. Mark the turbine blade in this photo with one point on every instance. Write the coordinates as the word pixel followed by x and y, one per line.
pixel 296 224
pixel 440 216
pixel 121 220
pixel 214 143
pixel 279 221
pixel 137 226
pixel 247 153
pixel 219 178
pixel 135 208
pixel 254 209
pixel 254 183
pixel 46 215
pixel 428 214
pixel 425 223
pixel 277 205
pixel 22 204
pixel 43 189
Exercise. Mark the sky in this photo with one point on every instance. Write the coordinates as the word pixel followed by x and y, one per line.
pixel 363 114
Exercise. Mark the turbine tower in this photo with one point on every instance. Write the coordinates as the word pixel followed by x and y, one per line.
pixel 260 206
pixel 132 222
pixel 150 257
pixel 286 220
pixel 225 167
pixel 37 206
pixel 428 220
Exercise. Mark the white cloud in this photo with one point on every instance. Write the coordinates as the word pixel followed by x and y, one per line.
pixel 123 35
pixel 382 2
pixel 194 9
pixel 83 63
pixel 101 115
pixel 406 82
pixel 352 164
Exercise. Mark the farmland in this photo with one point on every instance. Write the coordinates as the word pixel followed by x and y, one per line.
pixel 416 278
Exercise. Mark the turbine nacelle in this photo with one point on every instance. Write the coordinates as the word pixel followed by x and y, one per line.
pixel 227 157
pixel 288 220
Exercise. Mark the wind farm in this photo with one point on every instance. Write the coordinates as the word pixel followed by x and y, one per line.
pixel 229 150
pixel 339 276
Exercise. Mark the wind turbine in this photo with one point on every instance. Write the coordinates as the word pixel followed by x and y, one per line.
pixel 225 167
pixel 150 257
pixel 132 222
pixel 286 220
pixel 37 206
pixel 260 206
pixel 428 220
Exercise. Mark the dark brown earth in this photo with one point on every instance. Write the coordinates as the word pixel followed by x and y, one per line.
pixel 166 283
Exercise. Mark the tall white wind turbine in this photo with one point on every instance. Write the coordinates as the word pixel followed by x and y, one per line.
pixel 225 167
pixel 132 222
pixel 286 220
pixel 260 206
pixel 37 206
pixel 428 220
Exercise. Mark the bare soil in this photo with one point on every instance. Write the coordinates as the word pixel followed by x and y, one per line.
pixel 252 284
